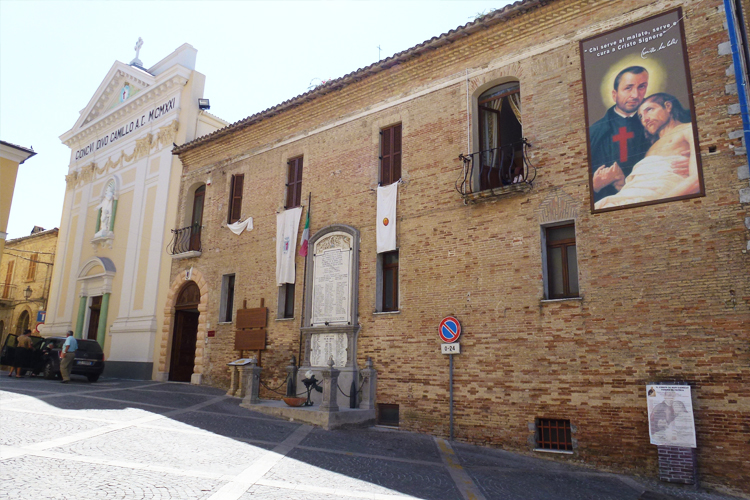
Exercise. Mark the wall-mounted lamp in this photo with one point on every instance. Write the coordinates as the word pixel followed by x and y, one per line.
pixel 204 104
pixel 27 292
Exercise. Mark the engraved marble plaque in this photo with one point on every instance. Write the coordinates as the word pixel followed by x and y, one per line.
pixel 331 300
pixel 325 345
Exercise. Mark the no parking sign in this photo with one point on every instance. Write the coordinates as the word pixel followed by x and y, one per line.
pixel 449 330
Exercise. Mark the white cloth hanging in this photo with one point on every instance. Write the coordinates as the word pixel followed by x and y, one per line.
pixel 287 225
pixel 239 226
pixel 386 224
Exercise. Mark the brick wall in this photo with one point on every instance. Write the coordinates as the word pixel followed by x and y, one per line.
pixel 677 465
pixel 665 288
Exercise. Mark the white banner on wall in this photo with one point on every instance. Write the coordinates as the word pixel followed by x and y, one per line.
pixel 670 415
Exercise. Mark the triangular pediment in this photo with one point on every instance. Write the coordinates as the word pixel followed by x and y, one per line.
pixel 122 83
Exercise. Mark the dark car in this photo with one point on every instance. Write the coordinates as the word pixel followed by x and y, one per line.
pixel 89 360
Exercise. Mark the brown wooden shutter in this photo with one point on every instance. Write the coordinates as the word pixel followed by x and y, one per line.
pixel 235 200
pixel 390 155
pixel 8 278
pixel 294 183
pixel 32 267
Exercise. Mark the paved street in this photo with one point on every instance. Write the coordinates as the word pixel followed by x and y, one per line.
pixel 119 439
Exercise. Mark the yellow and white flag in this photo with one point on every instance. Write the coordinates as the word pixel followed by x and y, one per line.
pixel 287 224
pixel 386 232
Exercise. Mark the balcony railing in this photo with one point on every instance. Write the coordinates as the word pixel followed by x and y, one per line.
pixel 7 292
pixel 187 239
pixel 496 172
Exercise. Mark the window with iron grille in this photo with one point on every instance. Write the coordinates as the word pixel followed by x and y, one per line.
pixel 387 414
pixel 235 198
pixel 390 155
pixel 294 183
pixel 500 136
pixel 562 264
pixel 553 434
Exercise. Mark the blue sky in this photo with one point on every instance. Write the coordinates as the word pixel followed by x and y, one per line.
pixel 255 54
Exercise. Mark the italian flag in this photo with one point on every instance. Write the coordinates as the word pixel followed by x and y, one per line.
pixel 305 235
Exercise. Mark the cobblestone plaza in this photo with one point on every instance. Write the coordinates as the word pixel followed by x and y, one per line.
pixel 122 439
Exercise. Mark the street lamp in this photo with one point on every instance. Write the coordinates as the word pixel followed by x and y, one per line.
pixel 27 292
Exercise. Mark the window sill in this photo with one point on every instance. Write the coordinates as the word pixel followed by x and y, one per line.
pixel 225 322
pixel 385 313
pixel 285 319
pixel 559 452
pixel 566 299
pixel 186 255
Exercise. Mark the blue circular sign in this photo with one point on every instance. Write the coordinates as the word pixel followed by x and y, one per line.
pixel 450 329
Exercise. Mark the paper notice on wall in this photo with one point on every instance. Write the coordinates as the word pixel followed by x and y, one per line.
pixel 670 415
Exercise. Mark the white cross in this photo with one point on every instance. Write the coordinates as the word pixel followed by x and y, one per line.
pixel 138 46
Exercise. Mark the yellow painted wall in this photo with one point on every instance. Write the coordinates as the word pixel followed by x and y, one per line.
pixel 66 272
pixel 143 251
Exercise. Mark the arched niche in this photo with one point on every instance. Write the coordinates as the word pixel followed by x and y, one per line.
pixel 96 276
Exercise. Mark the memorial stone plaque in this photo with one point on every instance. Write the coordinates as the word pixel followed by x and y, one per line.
pixel 325 345
pixel 331 287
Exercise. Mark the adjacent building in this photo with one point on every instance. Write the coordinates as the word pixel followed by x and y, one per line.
pixel 111 274
pixel 11 156
pixel 26 269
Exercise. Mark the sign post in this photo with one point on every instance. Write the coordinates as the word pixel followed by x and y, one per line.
pixel 449 331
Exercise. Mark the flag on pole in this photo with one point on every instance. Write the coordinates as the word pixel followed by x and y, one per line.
pixel 287 225
pixel 305 234
pixel 386 224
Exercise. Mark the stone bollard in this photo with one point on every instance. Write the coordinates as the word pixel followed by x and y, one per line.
pixel 245 372
pixel 291 378
pixel 330 387
pixel 370 382
pixel 252 394
pixel 233 381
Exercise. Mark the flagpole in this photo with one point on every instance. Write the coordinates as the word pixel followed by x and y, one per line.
pixel 304 288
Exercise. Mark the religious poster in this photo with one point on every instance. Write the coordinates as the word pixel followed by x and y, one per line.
pixel 670 415
pixel 640 118
pixel 331 287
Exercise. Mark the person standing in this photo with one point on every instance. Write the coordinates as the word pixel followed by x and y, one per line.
pixel 67 355
pixel 22 356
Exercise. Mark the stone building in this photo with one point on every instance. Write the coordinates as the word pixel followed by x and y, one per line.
pixel 26 270
pixel 111 274
pixel 570 301
pixel 11 156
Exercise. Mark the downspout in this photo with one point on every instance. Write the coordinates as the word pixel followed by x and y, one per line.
pixel 738 39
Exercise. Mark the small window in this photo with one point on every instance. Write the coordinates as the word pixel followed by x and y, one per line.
pixel 235 198
pixel 387 283
pixel 32 267
pixel 387 414
pixel 562 264
pixel 552 434
pixel 286 301
pixel 227 298
pixel 390 155
pixel 294 183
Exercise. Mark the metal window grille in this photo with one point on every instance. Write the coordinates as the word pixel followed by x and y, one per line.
pixel 553 434
pixel 387 414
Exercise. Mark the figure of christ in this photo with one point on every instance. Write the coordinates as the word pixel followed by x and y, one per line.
pixel 668 125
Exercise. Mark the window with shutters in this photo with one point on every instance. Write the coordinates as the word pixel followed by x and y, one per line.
pixel 235 198
pixel 286 301
pixel 8 278
pixel 294 183
pixel 500 136
pixel 390 155
pixel 227 299
pixel 32 267
pixel 561 262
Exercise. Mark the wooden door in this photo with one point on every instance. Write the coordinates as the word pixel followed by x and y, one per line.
pixel 95 308
pixel 197 219
pixel 183 346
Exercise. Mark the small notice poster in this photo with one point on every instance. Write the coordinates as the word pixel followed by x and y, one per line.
pixel 670 415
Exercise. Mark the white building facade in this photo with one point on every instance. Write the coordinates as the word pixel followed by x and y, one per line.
pixel 112 269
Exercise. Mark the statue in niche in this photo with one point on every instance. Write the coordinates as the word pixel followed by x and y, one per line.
pixel 105 218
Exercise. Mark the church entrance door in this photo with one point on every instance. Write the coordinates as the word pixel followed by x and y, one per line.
pixel 95 308
pixel 182 361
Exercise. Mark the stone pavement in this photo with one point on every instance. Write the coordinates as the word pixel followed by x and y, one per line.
pixel 124 439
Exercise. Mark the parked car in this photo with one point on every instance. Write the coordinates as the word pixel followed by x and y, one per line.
pixel 89 360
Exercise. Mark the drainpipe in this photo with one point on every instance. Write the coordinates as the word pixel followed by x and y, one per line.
pixel 738 39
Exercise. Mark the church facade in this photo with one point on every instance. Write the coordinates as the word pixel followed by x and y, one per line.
pixel 111 272
pixel 581 289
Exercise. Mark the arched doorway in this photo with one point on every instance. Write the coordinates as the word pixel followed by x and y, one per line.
pixel 182 361
pixel 23 322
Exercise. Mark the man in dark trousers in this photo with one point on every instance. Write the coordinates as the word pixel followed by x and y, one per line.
pixel 618 141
